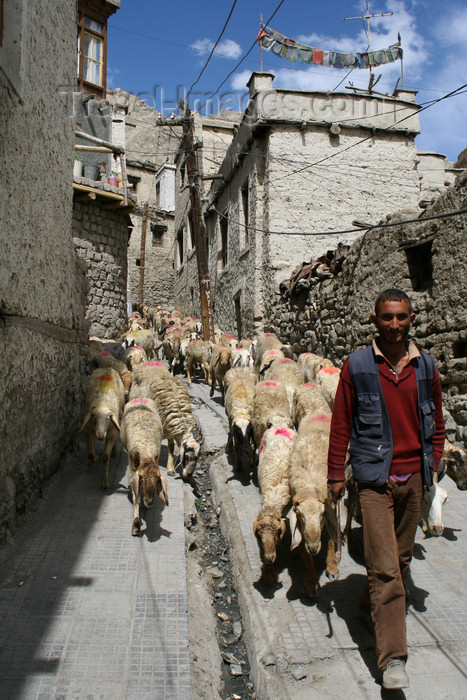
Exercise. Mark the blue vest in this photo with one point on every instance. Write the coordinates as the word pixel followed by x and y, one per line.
pixel 371 441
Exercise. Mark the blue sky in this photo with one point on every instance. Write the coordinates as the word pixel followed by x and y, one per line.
pixel 156 51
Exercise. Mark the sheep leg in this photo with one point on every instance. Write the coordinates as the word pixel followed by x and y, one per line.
pixel 136 526
pixel 312 581
pixel 188 372
pixel 205 369
pixel 170 457
pixel 213 386
pixel 332 566
pixel 109 444
pixel 91 445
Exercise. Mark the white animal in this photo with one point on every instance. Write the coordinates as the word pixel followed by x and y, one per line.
pixel 308 399
pixel 328 379
pixel 270 409
pixel 310 363
pixel 239 396
pixel 432 510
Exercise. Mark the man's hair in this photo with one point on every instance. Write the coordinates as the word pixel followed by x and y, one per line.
pixel 392 295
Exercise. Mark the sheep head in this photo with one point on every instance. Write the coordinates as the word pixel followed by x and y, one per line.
pixel 189 453
pixel 269 528
pixel 151 483
pixel 101 416
pixel 127 379
pixel 455 463
pixel 432 510
pixel 307 519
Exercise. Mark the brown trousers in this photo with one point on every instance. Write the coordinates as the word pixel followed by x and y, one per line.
pixel 390 517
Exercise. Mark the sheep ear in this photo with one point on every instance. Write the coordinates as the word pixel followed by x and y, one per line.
pixel 115 421
pixel 283 527
pixel 296 534
pixel 86 418
pixel 162 487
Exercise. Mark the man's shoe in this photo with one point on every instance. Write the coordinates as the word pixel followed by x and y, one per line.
pixel 395 676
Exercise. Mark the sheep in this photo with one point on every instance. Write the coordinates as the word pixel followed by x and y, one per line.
pixel 141 436
pixel 287 373
pixel 308 398
pixel 171 346
pixel 328 379
pixel 312 510
pixel 134 356
pixel 431 516
pixel 145 339
pixel 239 394
pixel 241 357
pixel 221 360
pixel 270 409
pixel 154 381
pixel 105 359
pixel 273 477
pixel 228 340
pixel 198 353
pixel 266 361
pixel 310 363
pixel 246 343
pixel 104 401
pixel 454 464
pixel 266 341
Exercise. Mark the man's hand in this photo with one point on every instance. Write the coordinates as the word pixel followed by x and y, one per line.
pixel 337 489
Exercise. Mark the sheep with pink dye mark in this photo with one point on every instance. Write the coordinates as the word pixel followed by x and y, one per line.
pixel 270 409
pixel 328 379
pixel 310 364
pixel 287 373
pixel 308 399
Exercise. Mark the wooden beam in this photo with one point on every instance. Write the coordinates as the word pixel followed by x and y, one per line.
pixel 85 197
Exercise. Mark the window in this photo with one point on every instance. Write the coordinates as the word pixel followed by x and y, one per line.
pixel 244 193
pixel 191 231
pixel 158 231
pixel 224 229
pixel 419 260
pixel 138 262
pixel 180 248
pixel 182 174
pixel 91 54
pixel 158 194
pixel 238 316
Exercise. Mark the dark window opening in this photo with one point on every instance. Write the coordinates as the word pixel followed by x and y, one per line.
pixel 191 229
pixel 138 262
pixel 245 192
pixel 180 247
pixel 158 194
pixel 158 231
pixel 459 349
pixel 238 317
pixel 224 226
pixel 419 260
pixel 133 180
pixel 182 174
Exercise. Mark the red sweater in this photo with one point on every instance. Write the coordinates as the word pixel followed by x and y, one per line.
pixel 400 395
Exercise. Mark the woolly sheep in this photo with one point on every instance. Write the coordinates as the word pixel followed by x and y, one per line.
pixel 310 363
pixel 264 342
pixel 134 356
pixel 153 381
pixel 198 353
pixel 273 478
pixel 266 361
pixel 105 359
pixel 145 339
pixel 328 379
pixel 141 436
pixel 454 464
pixel 228 340
pixel 287 373
pixel 239 393
pixel 241 357
pixel 103 406
pixel 221 360
pixel 270 409
pixel 171 347
pixel 308 399
pixel 312 510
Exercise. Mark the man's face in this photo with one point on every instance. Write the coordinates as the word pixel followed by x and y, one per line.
pixel 393 321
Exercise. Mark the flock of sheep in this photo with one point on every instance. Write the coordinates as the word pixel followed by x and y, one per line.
pixel 279 411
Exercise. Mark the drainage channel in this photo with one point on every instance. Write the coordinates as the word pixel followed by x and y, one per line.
pixel 213 554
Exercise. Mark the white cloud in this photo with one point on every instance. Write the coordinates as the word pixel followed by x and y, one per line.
pixel 225 49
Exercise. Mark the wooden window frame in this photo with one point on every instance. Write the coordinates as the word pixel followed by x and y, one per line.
pixel 84 85
pixel 224 240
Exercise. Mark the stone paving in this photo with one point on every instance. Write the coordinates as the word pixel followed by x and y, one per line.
pixel 87 610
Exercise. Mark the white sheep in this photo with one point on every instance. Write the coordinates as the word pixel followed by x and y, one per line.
pixel 145 339
pixel 287 373
pixel 312 510
pixel 432 510
pixel 171 347
pixel 198 353
pixel 134 355
pixel 141 436
pixel 270 409
pixel 264 342
pixel 328 379
pixel 105 359
pixel 241 357
pixel 105 398
pixel 239 394
pixel 267 359
pixel 310 363
pixel 170 395
pixel 221 361
pixel 273 478
pixel 229 340
pixel 308 399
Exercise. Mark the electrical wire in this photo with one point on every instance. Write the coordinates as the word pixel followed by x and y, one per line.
pixel 213 49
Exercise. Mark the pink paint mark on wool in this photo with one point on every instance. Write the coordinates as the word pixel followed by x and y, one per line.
pixel 104 354
pixel 321 418
pixel 310 384
pixel 137 347
pixel 286 361
pixel 155 364
pixel 284 432
pixel 140 401
pixel 269 335
pixel 105 378
pixel 267 383
pixel 329 370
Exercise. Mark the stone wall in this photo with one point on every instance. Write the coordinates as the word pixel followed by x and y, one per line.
pixel 333 317
pixel 100 237
pixel 42 284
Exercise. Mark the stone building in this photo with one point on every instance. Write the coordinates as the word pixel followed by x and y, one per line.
pixel 426 259
pixel 212 136
pixel 42 283
pixel 302 167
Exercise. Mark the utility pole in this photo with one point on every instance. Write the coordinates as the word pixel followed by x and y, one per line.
pixel 199 229
pixel 142 259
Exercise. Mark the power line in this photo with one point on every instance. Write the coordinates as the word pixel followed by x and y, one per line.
pixel 213 49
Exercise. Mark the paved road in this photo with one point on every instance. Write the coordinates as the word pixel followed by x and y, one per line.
pixel 87 611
